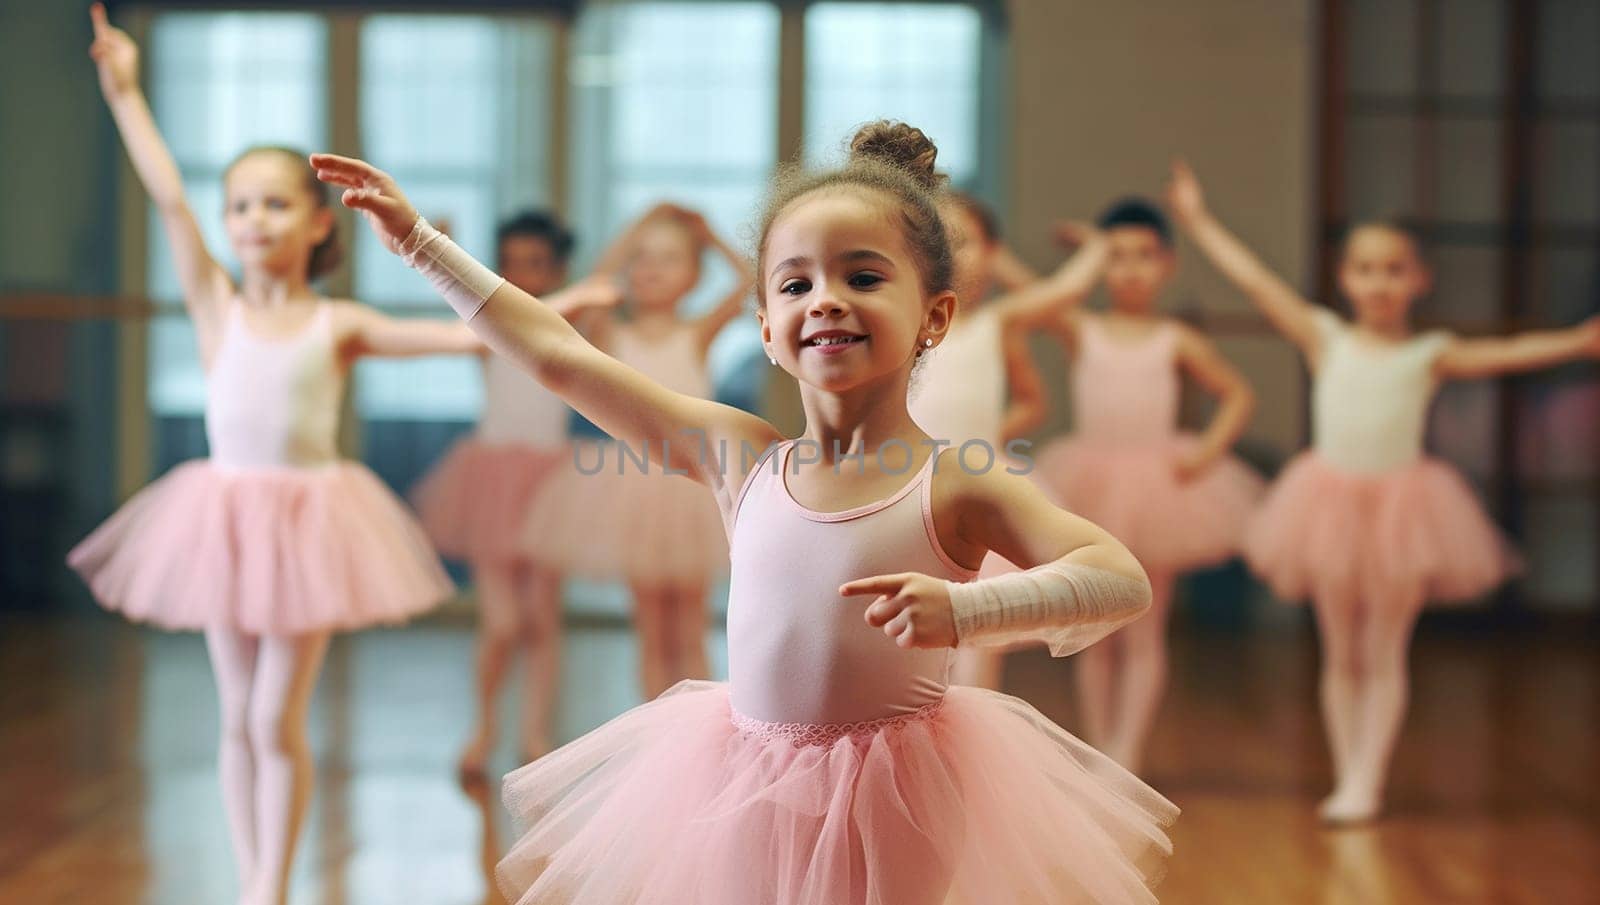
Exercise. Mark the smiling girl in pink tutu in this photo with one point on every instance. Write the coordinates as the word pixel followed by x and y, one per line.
pixel 836 766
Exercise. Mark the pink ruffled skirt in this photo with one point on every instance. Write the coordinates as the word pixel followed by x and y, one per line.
pixel 975 800
pixel 474 503
pixel 265 551
pixel 1414 533
pixel 1134 493
pixel 644 527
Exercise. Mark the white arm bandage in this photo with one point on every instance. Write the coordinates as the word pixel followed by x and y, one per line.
pixel 1069 606
pixel 463 282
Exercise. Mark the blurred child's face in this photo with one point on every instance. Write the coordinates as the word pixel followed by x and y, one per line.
pixel 843 302
pixel 1138 266
pixel 972 251
pixel 665 266
pixel 272 219
pixel 1381 274
pixel 530 264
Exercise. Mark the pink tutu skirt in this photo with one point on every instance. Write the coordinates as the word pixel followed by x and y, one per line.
pixel 1415 533
pixel 642 527
pixel 474 503
pixel 265 551
pixel 976 800
pixel 1134 493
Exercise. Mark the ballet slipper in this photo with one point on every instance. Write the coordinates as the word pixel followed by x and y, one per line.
pixel 1348 809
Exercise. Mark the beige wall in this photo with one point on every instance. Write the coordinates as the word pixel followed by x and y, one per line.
pixel 1105 93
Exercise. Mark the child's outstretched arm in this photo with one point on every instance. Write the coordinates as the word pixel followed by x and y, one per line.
pixel 206 286
pixel 371 333
pixel 1200 359
pixel 1531 351
pixel 622 401
pixel 1290 313
pixel 1081 584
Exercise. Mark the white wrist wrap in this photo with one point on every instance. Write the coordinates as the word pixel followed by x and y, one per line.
pixel 463 282
pixel 1067 605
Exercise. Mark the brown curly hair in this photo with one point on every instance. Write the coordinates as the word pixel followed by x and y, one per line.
pixel 894 160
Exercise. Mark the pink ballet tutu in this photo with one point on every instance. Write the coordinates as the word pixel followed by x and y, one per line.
pixel 474 502
pixel 265 551
pixel 642 527
pixel 975 800
pixel 1133 492
pixel 1416 530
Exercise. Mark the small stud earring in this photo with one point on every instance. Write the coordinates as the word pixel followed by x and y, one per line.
pixel 773 359
pixel 928 342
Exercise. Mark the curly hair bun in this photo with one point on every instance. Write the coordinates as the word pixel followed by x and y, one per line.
pixel 901 146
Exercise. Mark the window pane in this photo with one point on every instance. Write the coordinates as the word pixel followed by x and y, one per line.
pixel 1380 162
pixel 223 81
pixel 457 109
pixel 704 74
pixel 419 389
pixel 1467 177
pixel 1471 47
pixel 916 62
pixel 1382 52
pixel 177 382
pixel 220 83
pixel 1568 67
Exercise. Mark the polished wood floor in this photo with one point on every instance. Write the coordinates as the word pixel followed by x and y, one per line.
pixel 108 785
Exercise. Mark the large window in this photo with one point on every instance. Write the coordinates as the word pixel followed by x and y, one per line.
pixel 665 100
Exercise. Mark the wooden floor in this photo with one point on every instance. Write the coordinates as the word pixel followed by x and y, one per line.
pixel 108 785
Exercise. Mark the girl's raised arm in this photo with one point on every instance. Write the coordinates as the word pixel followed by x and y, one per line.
pixel 1289 312
pixel 206 286
pixel 673 427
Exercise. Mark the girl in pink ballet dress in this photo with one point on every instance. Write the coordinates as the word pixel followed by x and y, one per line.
pixel 273 542
pixel 474 503
pixel 616 513
pixel 1179 501
pixel 1365 523
pixel 981 384
pixel 836 766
